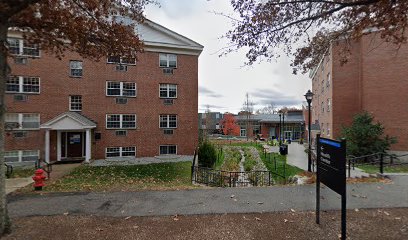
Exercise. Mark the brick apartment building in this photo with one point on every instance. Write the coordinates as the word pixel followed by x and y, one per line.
pixel 373 80
pixel 75 108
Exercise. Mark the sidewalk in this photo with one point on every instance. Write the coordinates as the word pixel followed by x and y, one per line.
pixel 210 201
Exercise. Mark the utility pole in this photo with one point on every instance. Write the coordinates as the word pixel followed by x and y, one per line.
pixel 247 113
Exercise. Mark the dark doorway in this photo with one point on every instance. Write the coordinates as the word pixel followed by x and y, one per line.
pixel 75 146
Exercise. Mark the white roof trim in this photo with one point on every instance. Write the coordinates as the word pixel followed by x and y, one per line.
pixel 82 121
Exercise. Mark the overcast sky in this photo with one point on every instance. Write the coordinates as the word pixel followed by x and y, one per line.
pixel 224 81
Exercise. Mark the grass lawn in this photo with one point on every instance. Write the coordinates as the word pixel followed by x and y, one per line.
pixel 387 169
pixel 159 176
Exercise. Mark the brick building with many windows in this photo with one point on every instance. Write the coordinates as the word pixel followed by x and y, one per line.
pixel 374 80
pixel 76 108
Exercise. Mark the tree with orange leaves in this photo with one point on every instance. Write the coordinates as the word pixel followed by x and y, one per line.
pixel 229 125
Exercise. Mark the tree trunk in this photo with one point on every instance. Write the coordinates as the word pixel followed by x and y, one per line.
pixel 4 219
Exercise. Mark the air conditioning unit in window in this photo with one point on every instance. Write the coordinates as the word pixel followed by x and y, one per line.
pixel 168 102
pixel 20 98
pixel 168 70
pixel 121 68
pixel 21 60
pixel 121 132
pixel 121 100
pixel 168 131
pixel 19 134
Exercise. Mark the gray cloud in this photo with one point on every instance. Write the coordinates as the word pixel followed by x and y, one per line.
pixel 208 93
pixel 181 9
pixel 278 98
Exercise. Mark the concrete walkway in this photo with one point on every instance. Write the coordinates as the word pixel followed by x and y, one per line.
pixel 210 201
pixel 298 157
pixel 12 184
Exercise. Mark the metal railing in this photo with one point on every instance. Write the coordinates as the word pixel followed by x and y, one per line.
pixel 44 166
pixel 379 160
pixel 220 178
pixel 9 170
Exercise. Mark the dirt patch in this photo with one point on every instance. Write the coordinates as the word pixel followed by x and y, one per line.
pixel 362 224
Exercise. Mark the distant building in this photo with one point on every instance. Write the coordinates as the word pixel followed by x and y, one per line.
pixel 269 125
pixel 210 121
pixel 374 80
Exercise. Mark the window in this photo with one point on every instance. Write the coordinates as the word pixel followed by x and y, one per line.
pixel 121 89
pixel 121 60
pixel 75 103
pixel 168 121
pixel 329 105
pixel 322 129
pixel 23 48
pixel 114 121
pixel 19 84
pixel 328 80
pixel 328 130
pixel 168 60
pixel 75 68
pixel 168 91
pixel 322 107
pixel 322 85
pixel 120 152
pixel 23 120
pixel 21 156
pixel 168 149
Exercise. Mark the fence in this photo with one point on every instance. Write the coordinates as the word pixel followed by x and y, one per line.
pixel 219 178
pixel 379 160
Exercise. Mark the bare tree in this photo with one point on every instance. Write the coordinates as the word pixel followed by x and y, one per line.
pixel 306 28
pixel 268 109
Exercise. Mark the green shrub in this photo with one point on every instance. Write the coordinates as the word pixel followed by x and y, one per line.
pixel 207 155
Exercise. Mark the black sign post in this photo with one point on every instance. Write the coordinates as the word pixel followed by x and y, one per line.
pixel 331 171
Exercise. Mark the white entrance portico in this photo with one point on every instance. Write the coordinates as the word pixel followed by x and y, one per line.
pixel 73 136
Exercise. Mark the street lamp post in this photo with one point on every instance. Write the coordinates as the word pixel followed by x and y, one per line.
pixel 309 97
pixel 280 128
pixel 283 126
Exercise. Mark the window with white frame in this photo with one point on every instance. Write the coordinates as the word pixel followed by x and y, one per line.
pixel 21 156
pixel 322 107
pixel 167 60
pixel 121 60
pixel 20 84
pixel 168 90
pixel 120 152
pixel 322 85
pixel 21 47
pixel 168 149
pixel 76 68
pixel 329 105
pixel 127 89
pixel 328 129
pixel 168 121
pixel 328 80
pixel 117 121
pixel 25 121
pixel 75 103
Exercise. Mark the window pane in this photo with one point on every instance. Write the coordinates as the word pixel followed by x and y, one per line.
pixel 113 121
pixel 163 60
pixel 76 68
pixel 163 90
pixel 172 149
pixel 163 121
pixel 11 156
pixel 31 121
pixel 113 89
pixel 172 121
pixel 129 89
pixel 114 59
pixel 128 151
pixel 12 84
pixel 75 103
pixel 30 156
pixel 128 121
pixel 31 49
pixel 14 47
pixel 172 60
pixel 129 60
pixel 31 84
pixel 163 150
pixel 113 152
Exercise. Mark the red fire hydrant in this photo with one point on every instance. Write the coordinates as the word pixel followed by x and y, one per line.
pixel 39 179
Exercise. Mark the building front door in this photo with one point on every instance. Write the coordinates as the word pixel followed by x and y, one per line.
pixel 75 144
pixel 272 132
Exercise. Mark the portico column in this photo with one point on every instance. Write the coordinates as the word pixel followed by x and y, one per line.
pixel 88 145
pixel 47 145
pixel 58 145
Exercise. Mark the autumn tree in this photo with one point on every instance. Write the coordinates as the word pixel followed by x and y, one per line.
pixel 87 27
pixel 229 125
pixel 306 28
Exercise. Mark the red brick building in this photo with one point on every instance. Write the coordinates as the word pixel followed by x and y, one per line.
pixel 373 80
pixel 76 108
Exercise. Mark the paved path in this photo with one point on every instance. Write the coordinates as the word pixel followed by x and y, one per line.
pixel 12 184
pixel 298 157
pixel 209 201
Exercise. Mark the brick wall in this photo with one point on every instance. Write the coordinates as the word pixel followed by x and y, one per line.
pixel 57 85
